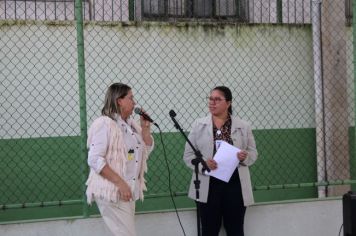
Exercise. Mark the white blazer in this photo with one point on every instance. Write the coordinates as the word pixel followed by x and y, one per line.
pixel 201 136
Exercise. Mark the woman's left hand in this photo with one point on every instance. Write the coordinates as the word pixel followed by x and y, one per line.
pixel 145 124
pixel 242 155
pixel 146 130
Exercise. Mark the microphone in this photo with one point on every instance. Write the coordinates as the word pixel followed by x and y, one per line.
pixel 138 111
pixel 172 113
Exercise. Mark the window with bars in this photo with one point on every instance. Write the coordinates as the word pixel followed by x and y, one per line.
pixel 251 11
pixel 96 10
pixel 237 9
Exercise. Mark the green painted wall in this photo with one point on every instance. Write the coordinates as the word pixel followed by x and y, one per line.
pixel 49 170
pixel 352 156
pixel 39 169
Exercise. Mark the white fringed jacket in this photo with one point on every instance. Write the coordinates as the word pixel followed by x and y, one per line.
pixel 115 157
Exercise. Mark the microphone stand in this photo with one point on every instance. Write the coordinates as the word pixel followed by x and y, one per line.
pixel 198 159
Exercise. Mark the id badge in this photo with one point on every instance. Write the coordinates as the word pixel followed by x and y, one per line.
pixel 217 144
pixel 131 155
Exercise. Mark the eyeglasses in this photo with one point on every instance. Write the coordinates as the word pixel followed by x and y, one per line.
pixel 215 100
pixel 129 97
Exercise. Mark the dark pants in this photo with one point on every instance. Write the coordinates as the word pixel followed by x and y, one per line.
pixel 225 204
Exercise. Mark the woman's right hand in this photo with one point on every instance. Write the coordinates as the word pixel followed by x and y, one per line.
pixel 125 191
pixel 211 163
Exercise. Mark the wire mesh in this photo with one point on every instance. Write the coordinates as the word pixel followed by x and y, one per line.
pixel 293 84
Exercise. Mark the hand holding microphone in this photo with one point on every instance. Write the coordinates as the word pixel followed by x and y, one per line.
pixel 144 115
pixel 145 125
pixel 140 112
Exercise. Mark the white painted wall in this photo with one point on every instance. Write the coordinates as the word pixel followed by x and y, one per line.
pixel 269 69
pixel 314 218
pixel 167 66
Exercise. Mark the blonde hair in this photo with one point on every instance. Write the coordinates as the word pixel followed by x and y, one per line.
pixel 114 92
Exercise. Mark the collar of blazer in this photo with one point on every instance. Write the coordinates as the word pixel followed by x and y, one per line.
pixel 236 123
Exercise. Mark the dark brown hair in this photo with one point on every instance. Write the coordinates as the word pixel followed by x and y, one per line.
pixel 227 95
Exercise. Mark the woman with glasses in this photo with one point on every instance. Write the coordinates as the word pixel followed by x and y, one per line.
pixel 221 201
pixel 118 150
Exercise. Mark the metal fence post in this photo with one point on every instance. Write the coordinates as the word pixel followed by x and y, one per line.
pixel 353 158
pixel 82 96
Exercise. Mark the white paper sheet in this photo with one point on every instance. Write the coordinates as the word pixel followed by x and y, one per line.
pixel 227 161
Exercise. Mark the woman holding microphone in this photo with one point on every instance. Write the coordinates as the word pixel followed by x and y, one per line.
pixel 118 151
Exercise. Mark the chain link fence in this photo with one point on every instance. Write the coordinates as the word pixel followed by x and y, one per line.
pixel 288 63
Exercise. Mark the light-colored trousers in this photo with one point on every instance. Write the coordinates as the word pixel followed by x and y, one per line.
pixel 119 217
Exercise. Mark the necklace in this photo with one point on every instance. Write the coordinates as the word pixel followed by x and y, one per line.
pixel 218 132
